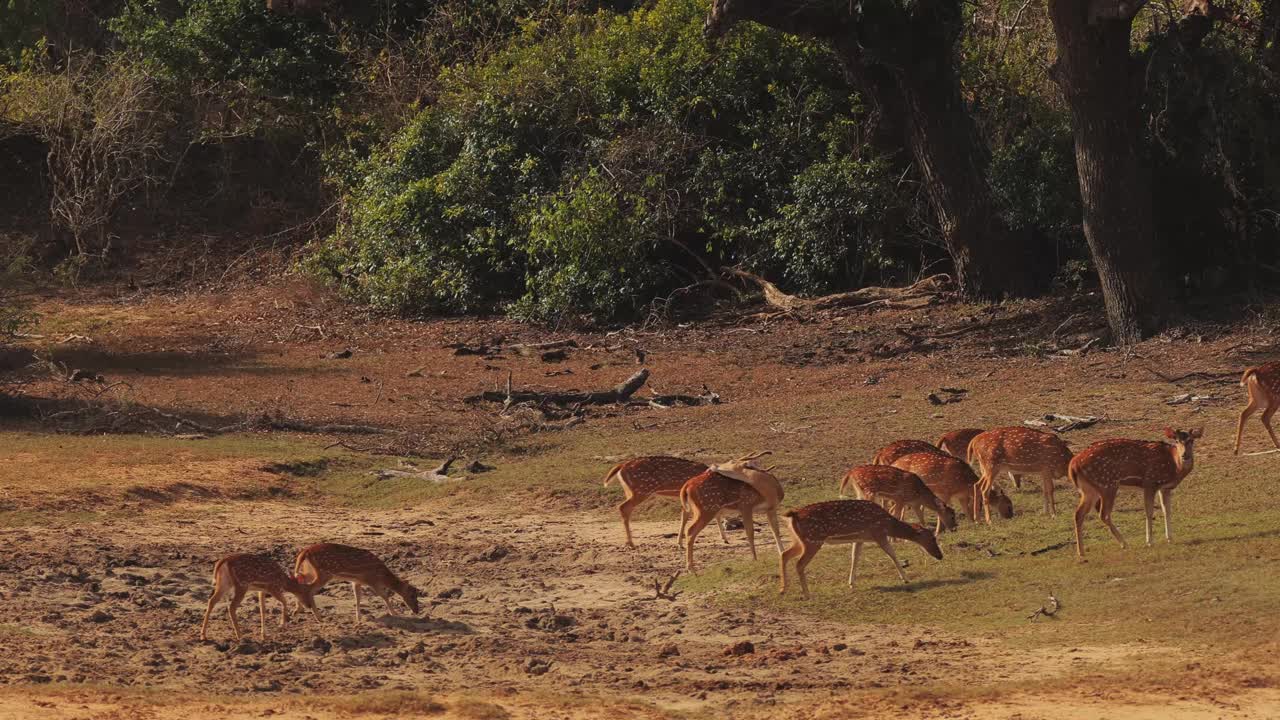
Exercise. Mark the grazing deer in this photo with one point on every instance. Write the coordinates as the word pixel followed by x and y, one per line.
pixel 894 450
pixel 950 477
pixel 318 564
pixel 1024 451
pixel 1263 384
pixel 244 573
pixel 847 521
pixel 1101 469
pixel 643 477
pixel 902 490
pixel 738 487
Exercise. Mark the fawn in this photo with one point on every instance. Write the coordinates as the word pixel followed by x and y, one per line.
pixel 847 521
pixel 894 450
pixel 644 477
pixel 1101 469
pixel 318 564
pixel 1023 451
pixel 244 573
pixel 902 490
pixel 950 477
pixel 1263 384
pixel 739 487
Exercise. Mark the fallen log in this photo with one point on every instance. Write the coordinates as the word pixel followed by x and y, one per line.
pixel 437 474
pixel 912 296
pixel 620 393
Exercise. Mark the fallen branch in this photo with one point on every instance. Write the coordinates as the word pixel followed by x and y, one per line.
pixel 1071 422
pixel 530 349
pixel 663 592
pixel 437 474
pixel 620 393
pixel 1232 375
pixel 927 289
pixel 1047 610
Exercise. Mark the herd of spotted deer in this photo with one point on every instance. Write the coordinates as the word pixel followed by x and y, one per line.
pixel 905 475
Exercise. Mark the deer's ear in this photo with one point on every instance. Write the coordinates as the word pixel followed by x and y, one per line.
pixel 1169 433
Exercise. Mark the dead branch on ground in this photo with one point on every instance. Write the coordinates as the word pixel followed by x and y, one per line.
pixel 919 294
pixel 437 474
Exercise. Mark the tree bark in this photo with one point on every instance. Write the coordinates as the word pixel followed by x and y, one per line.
pixel 1097 76
pixel 903 65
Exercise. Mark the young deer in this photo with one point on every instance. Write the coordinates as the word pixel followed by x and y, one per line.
pixel 643 477
pixel 902 490
pixel 1023 451
pixel 1263 384
pixel 712 493
pixel 847 521
pixel 956 442
pixel 244 573
pixel 1157 467
pixel 950 477
pixel 318 564
pixel 894 450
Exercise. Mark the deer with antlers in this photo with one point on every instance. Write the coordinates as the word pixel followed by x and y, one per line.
pixel 236 575
pixel 949 478
pixel 1101 469
pixel 847 521
pixel 894 450
pixel 1024 451
pixel 898 490
pixel 741 487
pixel 644 477
pixel 318 564
pixel 1263 384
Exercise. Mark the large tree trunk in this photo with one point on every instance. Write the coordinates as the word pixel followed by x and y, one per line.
pixel 917 91
pixel 1096 74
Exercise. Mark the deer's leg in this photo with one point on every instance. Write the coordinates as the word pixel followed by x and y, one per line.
pixel 810 549
pixel 699 522
pixel 386 600
pixel 794 551
pixel 1017 480
pixel 1166 507
pixel 625 509
pixel 1245 414
pixel 1266 423
pixel 1087 500
pixel 231 611
pixel 684 521
pixel 218 591
pixel 1148 495
pixel 1050 504
pixel 883 542
pixel 985 484
pixel 355 590
pixel 749 527
pixel 262 616
pixel 919 513
pixel 772 514
pixel 723 536
pixel 1109 502
pixel 854 554
pixel 284 607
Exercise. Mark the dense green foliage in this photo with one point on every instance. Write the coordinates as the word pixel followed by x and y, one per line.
pixel 590 158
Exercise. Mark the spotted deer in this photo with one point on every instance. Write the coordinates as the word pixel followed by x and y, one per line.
pixel 949 478
pixel 894 450
pixel 236 575
pixel 643 477
pixel 847 521
pixel 1101 469
pixel 739 487
pixel 956 442
pixel 318 564
pixel 1023 451
pixel 900 490
pixel 1263 384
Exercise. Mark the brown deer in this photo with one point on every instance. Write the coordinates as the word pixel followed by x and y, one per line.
pixel 902 490
pixel 950 477
pixel 956 442
pixel 1023 451
pixel 643 477
pixel 847 521
pixel 318 564
pixel 1263 384
pixel 894 450
pixel 739 487
pixel 244 573
pixel 1100 470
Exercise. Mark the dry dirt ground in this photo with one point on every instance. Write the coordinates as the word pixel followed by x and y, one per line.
pixel 536 610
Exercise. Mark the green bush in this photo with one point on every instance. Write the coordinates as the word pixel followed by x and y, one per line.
pixel 589 169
